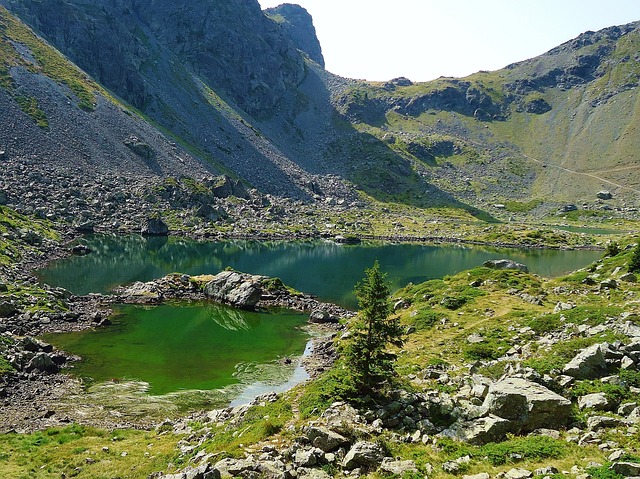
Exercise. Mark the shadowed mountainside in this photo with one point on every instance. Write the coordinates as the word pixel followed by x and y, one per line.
pixel 244 91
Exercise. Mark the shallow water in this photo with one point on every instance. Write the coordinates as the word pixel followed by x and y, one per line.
pixel 187 347
pixel 183 349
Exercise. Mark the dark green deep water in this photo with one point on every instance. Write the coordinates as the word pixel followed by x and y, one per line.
pixel 203 346
pixel 325 269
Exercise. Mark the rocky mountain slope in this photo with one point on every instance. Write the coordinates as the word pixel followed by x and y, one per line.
pixel 244 91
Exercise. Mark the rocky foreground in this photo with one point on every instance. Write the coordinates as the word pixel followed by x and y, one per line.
pixel 481 410
pixel 37 363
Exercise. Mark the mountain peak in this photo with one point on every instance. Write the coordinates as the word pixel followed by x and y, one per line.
pixel 298 25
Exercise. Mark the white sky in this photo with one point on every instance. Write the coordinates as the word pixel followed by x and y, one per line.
pixel 425 39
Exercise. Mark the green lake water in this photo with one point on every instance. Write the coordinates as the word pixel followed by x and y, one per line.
pixel 208 347
pixel 188 347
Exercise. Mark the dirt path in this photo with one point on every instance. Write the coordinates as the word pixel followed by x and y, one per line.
pixel 590 175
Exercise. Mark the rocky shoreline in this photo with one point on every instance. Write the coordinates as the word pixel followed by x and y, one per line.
pixel 38 382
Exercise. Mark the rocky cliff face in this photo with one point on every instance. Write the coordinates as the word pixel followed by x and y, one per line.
pixel 245 90
pixel 298 25
pixel 230 44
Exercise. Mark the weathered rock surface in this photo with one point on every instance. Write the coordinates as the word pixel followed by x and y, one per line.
pixel 237 289
pixel 589 363
pixel 325 439
pixel 154 227
pixel 480 431
pixel 505 264
pixel 527 405
pixel 363 454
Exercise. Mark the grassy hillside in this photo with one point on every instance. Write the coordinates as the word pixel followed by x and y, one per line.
pixel 555 129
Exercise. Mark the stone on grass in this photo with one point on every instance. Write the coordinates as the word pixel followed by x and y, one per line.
pixel 482 475
pixel 363 454
pixel 479 431
pixel 393 466
pixel 596 401
pixel 527 405
pixel 518 473
pixel 600 422
pixel 590 363
pixel 325 439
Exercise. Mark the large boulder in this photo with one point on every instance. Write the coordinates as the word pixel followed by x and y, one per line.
pixel 325 439
pixel 590 363
pixel 479 431
pixel 604 195
pixel 363 454
pixel 139 147
pixel 42 362
pixel 505 264
pixel 223 187
pixel 241 290
pixel 527 404
pixel 230 467
pixel 595 401
pixel 154 227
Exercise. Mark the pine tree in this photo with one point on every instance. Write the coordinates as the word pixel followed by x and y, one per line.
pixel 372 332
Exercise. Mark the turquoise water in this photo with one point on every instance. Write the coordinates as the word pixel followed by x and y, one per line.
pixel 325 269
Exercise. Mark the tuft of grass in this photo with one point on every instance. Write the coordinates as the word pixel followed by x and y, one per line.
pixel 258 424
pixel 78 451
pixel 29 105
pixel 48 61
pixel 334 385
pixel 523 449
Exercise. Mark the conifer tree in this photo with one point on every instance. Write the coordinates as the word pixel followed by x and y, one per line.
pixel 373 330
pixel 634 263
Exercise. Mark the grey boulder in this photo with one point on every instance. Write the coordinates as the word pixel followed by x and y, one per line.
pixel 527 404
pixel 363 454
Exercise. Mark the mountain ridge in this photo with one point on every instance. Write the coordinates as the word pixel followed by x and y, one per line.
pixel 296 130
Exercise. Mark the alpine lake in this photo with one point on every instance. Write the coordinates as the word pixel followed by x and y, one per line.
pixel 208 355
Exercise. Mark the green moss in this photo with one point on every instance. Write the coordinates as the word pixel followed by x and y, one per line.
pixel 524 449
pixel 29 105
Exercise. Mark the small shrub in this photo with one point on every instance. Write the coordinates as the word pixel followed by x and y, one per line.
pixel 453 303
pixel 630 378
pixel 634 262
pixel 603 472
pixel 482 351
pixel 545 324
pixel 424 319
pixel 614 392
pixel 612 249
